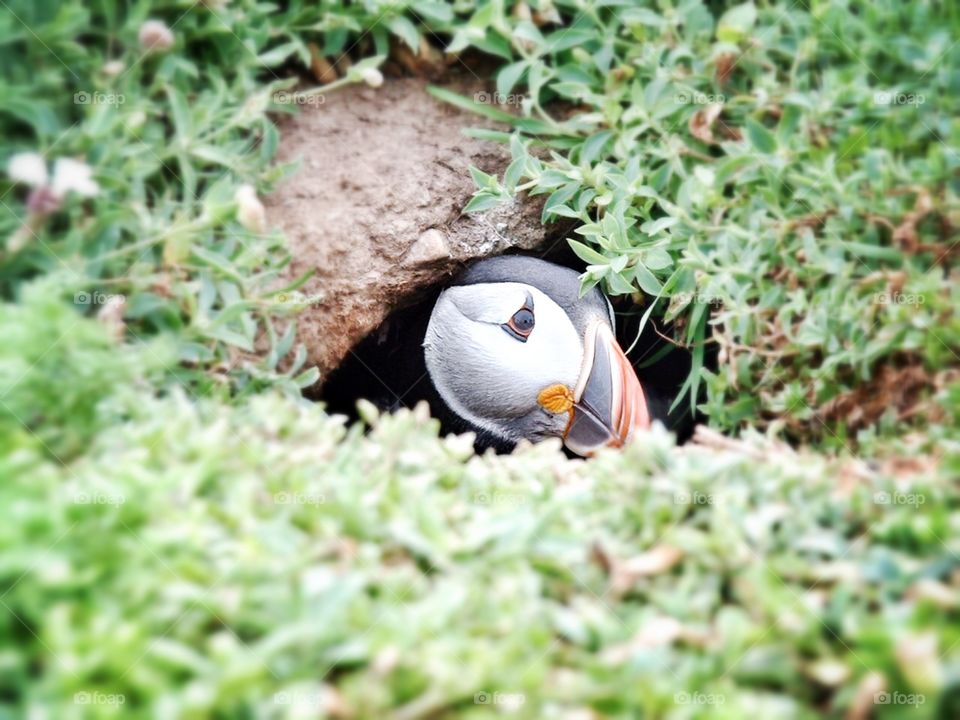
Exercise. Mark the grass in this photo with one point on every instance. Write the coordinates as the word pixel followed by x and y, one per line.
pixel 183 536
pixel 787 169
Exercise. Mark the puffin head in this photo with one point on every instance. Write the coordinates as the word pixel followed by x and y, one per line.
pixel 514 351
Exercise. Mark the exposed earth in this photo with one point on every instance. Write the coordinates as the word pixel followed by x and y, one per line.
pixel 375 206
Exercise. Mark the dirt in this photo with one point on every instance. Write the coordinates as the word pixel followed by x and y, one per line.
pixel 375 206
pixel 906 389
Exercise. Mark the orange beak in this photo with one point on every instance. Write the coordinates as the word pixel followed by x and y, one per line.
pixel 609 404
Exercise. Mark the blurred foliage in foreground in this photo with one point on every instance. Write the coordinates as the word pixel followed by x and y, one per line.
pixel 263 560
pixel 181 536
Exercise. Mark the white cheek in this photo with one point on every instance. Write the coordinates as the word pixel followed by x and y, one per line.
pixel 507 375
pixel 552 354
pixel 485 374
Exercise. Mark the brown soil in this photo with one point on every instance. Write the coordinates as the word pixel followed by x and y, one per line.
pixel 908 389
pixel 374 208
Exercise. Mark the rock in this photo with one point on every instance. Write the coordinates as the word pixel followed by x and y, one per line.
pixel 375 206
pixel 430 247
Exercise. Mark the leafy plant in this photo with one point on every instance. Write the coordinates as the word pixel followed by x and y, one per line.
pixel 181 535
pixel 746 173
pixel 263 560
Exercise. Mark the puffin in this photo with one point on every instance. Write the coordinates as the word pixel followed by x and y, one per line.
pixel 510 350
pixel 515 352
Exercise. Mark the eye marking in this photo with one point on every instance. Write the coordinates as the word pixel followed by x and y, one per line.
pixel 522 323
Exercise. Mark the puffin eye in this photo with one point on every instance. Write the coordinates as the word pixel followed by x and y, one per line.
pixel 521 324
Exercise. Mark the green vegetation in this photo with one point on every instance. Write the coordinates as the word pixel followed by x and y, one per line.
pixel 792 167
pixel 182 536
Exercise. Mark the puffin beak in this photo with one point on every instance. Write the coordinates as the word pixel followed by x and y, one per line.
pixel 609 405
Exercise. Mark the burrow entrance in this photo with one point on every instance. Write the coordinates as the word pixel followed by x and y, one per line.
pixel 386 369
pixel 374 211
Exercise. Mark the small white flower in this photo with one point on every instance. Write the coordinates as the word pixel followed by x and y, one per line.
pixel 155 35
pixel 113 68
pixel 372 77
pixel 250 211
pixel 73 175
pixel 69 175
pixel 28 168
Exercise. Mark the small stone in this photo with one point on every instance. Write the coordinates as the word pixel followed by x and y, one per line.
pixel 250 211
pixel 372 77
pixel 430 247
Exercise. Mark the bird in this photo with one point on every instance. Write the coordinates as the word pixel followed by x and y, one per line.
pixel 510 350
